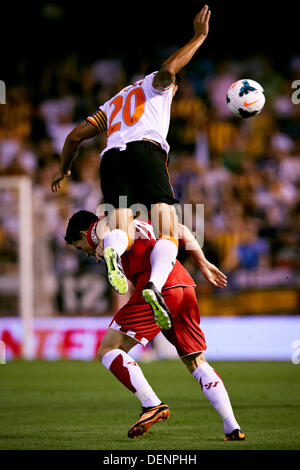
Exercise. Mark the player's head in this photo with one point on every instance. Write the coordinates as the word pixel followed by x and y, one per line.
pixel 155 67
pixel 77 231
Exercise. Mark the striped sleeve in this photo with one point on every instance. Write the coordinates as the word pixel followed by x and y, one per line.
pixel 99 120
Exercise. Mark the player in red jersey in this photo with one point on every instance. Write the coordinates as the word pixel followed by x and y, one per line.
pixel 134 323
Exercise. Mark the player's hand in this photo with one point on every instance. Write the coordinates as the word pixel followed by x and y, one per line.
pixel 201 22
pixel 213 274
pixel 55 185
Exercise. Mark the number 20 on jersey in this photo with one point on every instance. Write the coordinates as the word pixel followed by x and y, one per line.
pixel 130 115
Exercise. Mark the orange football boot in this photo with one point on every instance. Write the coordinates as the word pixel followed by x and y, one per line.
pixel 149 416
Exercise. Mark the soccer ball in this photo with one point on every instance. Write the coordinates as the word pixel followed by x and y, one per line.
pixel 246 98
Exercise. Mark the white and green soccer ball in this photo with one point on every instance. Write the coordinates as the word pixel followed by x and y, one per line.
pixel 246 98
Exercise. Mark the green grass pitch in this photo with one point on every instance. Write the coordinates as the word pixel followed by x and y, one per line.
pixel 80 405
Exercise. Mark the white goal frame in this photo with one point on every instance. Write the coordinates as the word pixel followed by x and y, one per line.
pixel 26 275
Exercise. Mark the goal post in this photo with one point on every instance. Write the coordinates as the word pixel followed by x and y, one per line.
pixel 23 186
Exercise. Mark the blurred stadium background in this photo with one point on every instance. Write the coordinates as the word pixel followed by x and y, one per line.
pixel 71 58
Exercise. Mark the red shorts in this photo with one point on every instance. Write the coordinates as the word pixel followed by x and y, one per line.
pixel 136 320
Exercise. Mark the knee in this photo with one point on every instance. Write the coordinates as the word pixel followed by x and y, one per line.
pixel 162 207
pixel 120 218
pixel 193 361
pixel 102 351
pixel 100 354
pixel 164 219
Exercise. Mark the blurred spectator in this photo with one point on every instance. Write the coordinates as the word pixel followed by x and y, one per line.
pixel 217 87
pixel 250 252
pixel 188 114
pixel 245 172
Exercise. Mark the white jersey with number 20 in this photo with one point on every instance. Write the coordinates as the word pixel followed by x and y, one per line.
pixel 138 112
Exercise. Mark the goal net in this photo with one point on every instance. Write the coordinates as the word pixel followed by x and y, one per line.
pixel 16 255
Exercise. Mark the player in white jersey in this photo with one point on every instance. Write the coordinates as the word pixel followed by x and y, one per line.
pixel 138 112
pixel 134 163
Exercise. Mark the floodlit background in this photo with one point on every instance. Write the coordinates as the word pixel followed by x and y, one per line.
pixel 68 60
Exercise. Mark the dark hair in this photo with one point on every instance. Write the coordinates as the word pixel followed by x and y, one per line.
pixel 79 221
pixel 153 67
pixel 156 66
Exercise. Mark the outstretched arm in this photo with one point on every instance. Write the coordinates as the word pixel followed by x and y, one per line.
pixel 85 130
pixel 182 57
pixel 209 270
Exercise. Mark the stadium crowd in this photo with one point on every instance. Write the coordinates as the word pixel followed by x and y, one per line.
pixel 245 172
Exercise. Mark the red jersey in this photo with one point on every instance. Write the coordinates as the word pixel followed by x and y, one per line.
pixel 137 266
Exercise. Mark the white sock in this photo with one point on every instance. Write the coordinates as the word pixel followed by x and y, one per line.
pixel 128 372
pixel 118 239
pixel 162 259
pixel 214 389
